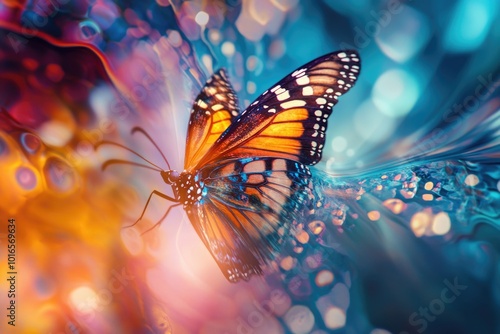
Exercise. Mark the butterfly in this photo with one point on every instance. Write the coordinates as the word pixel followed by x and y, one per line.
pixel 246 174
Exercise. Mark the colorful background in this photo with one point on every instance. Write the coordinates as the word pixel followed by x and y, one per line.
pixel 73 73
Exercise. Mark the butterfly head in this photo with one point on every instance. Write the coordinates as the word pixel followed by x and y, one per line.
pixel 170 176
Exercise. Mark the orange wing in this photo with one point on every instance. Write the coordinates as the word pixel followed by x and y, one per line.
pixel 248 210
pixel 289 120
pixel 212 113
pixel 252 166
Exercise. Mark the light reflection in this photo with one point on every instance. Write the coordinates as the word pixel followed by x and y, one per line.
pixel 409 33
pixel 400 99
pixel 471 180
pixel 228 49
pixel 334 318
pixel 202 18
pixel 339 144
pixel 470 24
pixel 299 319
pixel 323 278
pixel 441 223
pixel 84 299
pixel 372 124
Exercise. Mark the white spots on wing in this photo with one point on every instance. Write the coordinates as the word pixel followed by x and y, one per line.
pixel 341 82
pixel 345 60
pixel 220 97
pixel 266 106
pixel 272 111
pixel 342 55
pixel 283 96
pixel 320 100
pixel 207 113
pixel 318 113
pixel 234 113
pixel 279 91
pixel 308 90
pixel 329 90
pixel 217 107
pixel 316 126
pixel 265 92
pixel 202 104
pixel 299 73
pixel 254 102
pixel 211 90
pixel 293 104
pixel 303 80
pixel 275 88
pixel 355 59
pixel 314 144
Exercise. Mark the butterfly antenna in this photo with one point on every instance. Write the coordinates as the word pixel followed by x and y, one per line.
pixel 125 162
pixel 141 130
pixel 107 142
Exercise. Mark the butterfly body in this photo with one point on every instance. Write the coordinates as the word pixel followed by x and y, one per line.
pixel 186 186
pixel 246 178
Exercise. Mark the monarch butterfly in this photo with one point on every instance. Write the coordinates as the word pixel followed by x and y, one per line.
pixel 245 175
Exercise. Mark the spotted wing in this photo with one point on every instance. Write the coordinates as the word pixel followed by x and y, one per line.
pixel 212 113
pixel 247 209
pixel 290 119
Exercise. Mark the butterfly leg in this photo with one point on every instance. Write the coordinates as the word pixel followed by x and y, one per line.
pixel 157 193
pixel 161 219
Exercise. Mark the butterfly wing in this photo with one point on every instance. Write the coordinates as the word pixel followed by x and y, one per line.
pixel 290 119
pixel 212 113
pixel 254 174
pixel 247 211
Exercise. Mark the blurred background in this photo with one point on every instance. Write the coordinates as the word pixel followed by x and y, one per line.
pixel 73 73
